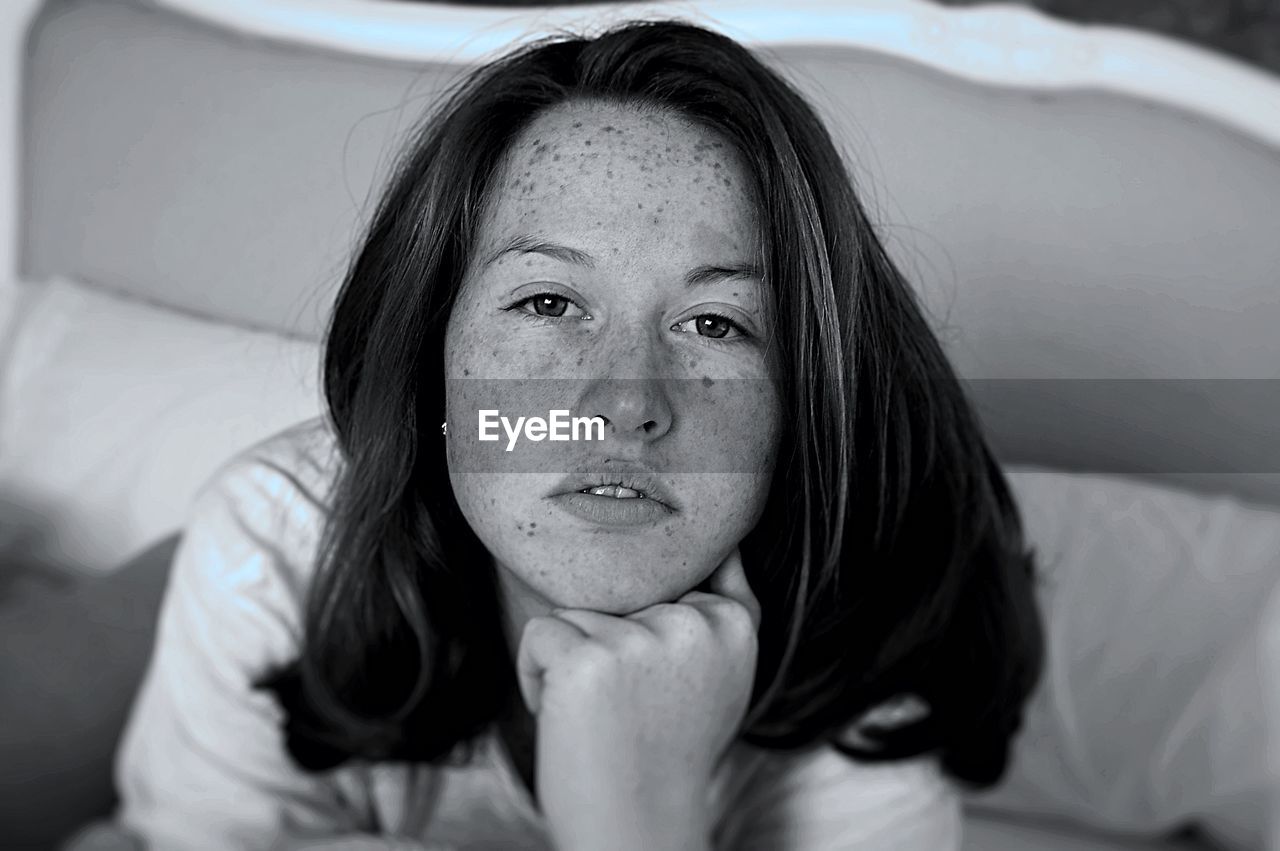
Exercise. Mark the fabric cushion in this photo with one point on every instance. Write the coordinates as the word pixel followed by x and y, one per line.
pixel 75 649
pixel 114 411
pixel 1151 713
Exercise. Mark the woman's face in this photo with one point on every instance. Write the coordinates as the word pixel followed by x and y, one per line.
pixel 614 276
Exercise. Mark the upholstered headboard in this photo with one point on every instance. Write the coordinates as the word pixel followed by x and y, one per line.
pixel 1103 265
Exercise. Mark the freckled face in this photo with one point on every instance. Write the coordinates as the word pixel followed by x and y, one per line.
pixel 628 272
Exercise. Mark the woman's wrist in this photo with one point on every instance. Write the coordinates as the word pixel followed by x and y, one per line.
pixel 679 822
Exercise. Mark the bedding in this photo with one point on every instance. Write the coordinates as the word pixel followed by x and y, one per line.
pixel 1160 606
pixel 74 652
pixel 113 411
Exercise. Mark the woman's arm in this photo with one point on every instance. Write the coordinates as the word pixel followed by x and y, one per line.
pixel 824 801
pixel 202 763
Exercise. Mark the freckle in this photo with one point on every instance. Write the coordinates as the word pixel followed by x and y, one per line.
pixel 529 533
pixel 577 124
pixel 530 187
pixel 520 526
pixel 599 224
pixel 466 372
pixel 555 158
pixel 609 173
pixel 639 206
pixel 713 165
pixel 697 158
pixel 735 295
pixel 526 174
pixel 608 128
pixel 728 182
pixel 657 221
pixel 579 360
pixel 707 381
pixel 588 143
pixel 697 178
pixel 533 525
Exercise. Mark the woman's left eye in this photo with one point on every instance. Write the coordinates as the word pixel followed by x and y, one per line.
pixel 711 325
pixel 550 305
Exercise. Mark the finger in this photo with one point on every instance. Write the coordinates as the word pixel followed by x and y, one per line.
pixel 620 634
pixel 596 625
pixel 730 580
pixel 544 641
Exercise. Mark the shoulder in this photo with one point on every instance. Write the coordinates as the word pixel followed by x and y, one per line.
pixel 819 798
pixel 281 485
pixel 303 457
pixel 250 542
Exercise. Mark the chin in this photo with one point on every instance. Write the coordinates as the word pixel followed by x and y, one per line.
pixel 610 585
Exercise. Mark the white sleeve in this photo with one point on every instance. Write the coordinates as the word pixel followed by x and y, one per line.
pixel 202 764
pixel 825 801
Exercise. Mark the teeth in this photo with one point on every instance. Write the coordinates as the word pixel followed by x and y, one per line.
pixel 615 491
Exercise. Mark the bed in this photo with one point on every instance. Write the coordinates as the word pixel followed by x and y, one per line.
pixel 1089 215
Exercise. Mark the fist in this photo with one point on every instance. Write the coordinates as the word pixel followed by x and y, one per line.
pixel 633 713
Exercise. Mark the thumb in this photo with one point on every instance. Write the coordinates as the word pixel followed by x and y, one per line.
pixel 544 642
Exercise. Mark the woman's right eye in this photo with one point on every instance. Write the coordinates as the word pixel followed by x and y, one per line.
pixel 550 305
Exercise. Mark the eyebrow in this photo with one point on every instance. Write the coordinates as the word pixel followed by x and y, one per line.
pixel 705 274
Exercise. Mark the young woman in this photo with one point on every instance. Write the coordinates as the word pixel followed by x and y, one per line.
pixel 780 600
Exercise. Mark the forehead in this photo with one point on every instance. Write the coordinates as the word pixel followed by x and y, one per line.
pixel 598 168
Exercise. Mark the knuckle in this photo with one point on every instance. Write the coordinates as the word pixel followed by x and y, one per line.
pixel 594 660
pixel 740 618
pixel 633 639
pixel 691 623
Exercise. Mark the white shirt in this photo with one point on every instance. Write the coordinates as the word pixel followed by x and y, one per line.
pixel 202 764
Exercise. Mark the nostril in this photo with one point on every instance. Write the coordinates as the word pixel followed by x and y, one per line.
pixel 649 426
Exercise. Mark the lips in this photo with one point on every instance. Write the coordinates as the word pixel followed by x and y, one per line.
pixel 615 491
pixel 620 482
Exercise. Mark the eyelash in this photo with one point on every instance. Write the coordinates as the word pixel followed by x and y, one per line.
pixel 515 307
pixel 742 335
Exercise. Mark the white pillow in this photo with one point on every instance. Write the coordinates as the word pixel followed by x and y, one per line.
pixel 114 411
pixel 1158 604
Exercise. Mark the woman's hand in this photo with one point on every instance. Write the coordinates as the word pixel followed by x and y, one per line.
pixel 634 713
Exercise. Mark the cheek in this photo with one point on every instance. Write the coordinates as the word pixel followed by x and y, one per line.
pixel 731 425
pixel 493 343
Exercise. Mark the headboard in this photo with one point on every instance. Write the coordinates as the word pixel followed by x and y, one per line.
pixel 1090 216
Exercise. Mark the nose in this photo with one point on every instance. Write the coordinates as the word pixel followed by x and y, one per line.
pixel 634 409
pixel 632 398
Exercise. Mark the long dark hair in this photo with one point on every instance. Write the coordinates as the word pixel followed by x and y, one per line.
pixel 890 558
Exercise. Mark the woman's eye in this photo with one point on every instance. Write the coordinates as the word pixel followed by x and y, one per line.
pixel 548 304
pixel 711 325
